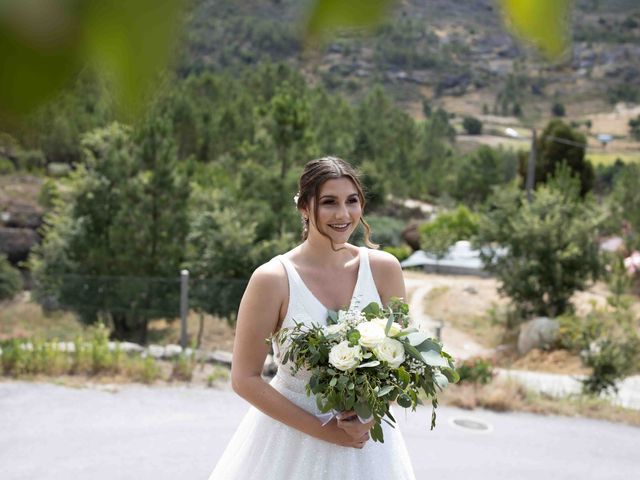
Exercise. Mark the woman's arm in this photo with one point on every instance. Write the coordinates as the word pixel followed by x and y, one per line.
pixel 387 275
pixel 257 319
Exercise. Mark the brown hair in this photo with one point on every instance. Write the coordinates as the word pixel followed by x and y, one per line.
pixel 315 174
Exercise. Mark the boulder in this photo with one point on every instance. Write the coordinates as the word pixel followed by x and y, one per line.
pixel 540 333
pixel 411 236
pixel 21 215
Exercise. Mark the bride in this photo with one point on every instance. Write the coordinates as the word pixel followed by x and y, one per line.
pixel 281 437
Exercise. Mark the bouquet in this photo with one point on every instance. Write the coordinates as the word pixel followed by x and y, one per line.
pixel 365 360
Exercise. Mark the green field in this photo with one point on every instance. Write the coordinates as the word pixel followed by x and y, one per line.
pixel 608 158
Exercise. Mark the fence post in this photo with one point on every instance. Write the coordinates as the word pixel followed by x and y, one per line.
pixel 184 306
pixel 439 328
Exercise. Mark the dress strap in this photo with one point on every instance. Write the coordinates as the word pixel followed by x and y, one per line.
pixel 367 290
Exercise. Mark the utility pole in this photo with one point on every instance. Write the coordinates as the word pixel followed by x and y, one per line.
pixel 531 167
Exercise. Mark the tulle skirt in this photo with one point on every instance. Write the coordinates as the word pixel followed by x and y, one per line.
pixel 265 449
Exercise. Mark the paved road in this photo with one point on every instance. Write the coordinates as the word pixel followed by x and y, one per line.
pixel 49 432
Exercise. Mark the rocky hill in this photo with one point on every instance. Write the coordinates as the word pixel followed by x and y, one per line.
pixel 455 54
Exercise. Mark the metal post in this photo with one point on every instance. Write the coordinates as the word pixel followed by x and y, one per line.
pixel 531 166
pixel 184 306
pixel 439 328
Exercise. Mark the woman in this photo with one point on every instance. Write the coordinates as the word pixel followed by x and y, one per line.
pixel 281 437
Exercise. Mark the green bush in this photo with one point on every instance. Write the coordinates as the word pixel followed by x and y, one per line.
pixel 10 279
pixel 472 126
pixel 387 231
pixel 31 161
pixel 401 253
pixel 606 338
pixel 558 109
pixel 476 370
pixel 544 251
pixel 438 235
pixel 607 343
pixel 634 128
pixel 6 166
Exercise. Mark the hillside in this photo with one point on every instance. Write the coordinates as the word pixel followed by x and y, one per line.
pixel 457 55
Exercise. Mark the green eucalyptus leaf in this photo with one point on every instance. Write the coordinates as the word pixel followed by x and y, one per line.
pixel 404 400
pixel 451 375
pixel 384 390
pixel 362 409
pixel 434 359
pixel 417 338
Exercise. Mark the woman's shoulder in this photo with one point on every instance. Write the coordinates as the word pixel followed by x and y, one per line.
pixel 271 270
pixel 383 261
pixel 270 275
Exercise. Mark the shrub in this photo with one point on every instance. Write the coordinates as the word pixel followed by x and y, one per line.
pixel 634 128
pixel 183 367
pixel 6 166
pixel 472 126
pixel 31 161
pixel 606 338
pixel 476 370
pixel 558 109
pixel 440 234
pixel 10 279
pixel 401 253
pixel 543 251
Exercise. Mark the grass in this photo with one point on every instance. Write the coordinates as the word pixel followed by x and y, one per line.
pixel 609 158
pixel 442 303
pixel 21 318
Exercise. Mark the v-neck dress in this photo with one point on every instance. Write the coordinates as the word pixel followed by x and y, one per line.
pixel 266 449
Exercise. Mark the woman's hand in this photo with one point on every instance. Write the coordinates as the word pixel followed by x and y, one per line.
pixel 358 432
pixel 333 433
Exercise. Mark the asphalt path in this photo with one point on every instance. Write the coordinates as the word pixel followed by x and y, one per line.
pixel 133 432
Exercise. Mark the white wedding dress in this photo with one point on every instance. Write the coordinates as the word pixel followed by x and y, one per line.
pixel 265 449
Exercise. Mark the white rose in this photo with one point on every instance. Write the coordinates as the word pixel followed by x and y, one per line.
pixel 394 330
pixel 344 357
pixel 390 351
pixel 371 334
pixel 335 328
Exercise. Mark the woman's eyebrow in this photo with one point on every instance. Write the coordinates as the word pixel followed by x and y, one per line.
pixel 334 196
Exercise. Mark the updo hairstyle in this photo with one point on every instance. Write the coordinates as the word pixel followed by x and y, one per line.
pixel 315 174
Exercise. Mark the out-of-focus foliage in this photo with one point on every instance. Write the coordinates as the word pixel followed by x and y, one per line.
pixel 328 15
pixel 544 23
pixel 45 44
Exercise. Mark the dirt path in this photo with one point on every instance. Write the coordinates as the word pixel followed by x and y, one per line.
pixel 459 344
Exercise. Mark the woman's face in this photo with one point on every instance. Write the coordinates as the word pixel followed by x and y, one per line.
pixel 339 210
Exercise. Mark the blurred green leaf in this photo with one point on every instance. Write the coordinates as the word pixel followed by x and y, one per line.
pixel 329 15
pixel 544 23
pixel 39 52
pixel 130 41
pixel 45 44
